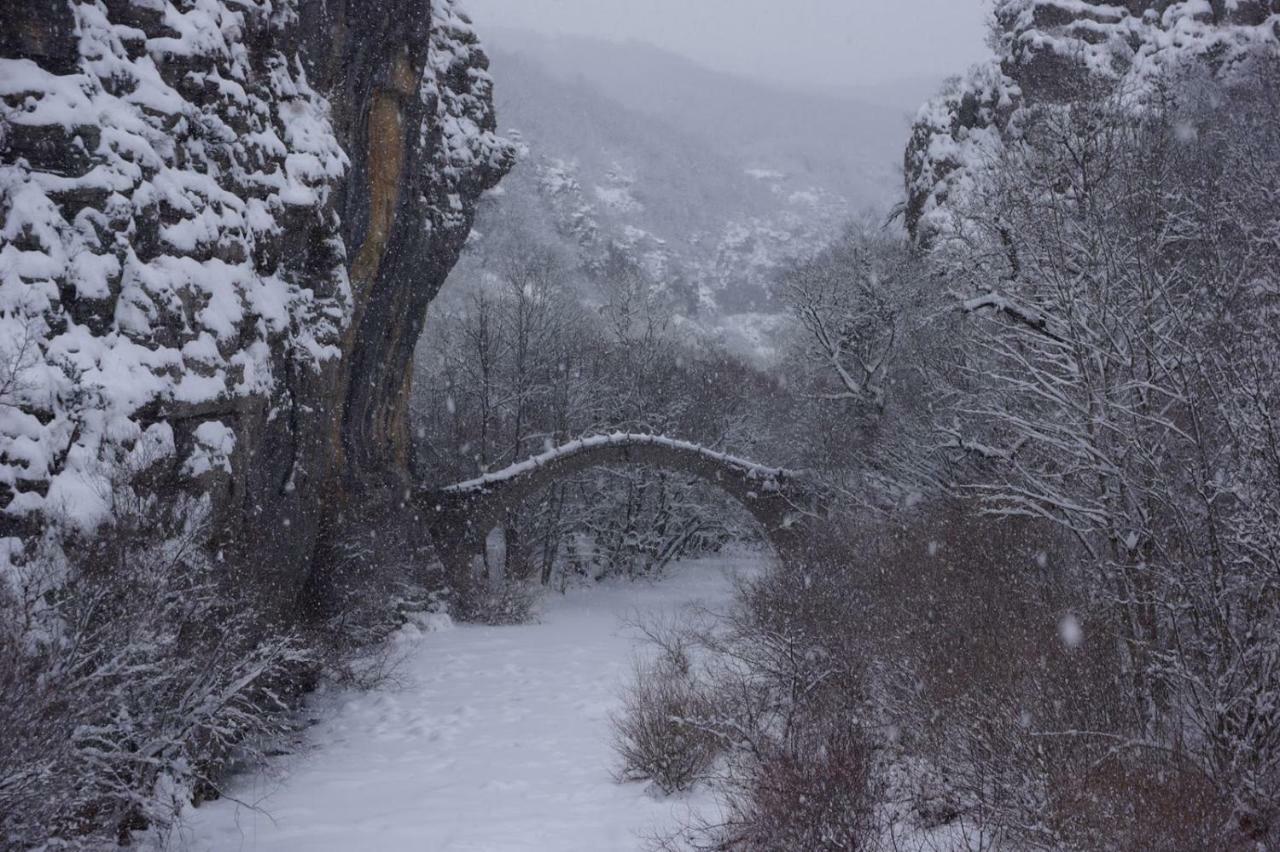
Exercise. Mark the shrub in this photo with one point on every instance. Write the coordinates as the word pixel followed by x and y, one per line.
pixel 820 795
pixel 664 732
pixel 131 672
pixel 1139 802
pixel 501 604
pixel 1022 724
pixel 924 662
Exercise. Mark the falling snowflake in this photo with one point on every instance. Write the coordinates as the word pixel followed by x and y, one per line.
pixel 1071 632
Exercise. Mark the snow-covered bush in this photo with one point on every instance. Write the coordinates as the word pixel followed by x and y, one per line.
pixel 508 601
pixel 664 731
pixel 937 673
pixel 133 669
pixel 771 697
pixel 821 797
pixel 997 672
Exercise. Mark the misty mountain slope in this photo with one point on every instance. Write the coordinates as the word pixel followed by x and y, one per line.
pixel 707 182
pixel 663 177
pixel 848 146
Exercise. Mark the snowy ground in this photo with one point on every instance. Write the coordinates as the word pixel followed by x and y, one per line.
pixel 496 740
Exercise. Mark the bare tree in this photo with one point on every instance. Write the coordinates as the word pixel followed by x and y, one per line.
pixel 1128 386
pixel 19 354
pixel 874 358
pixel 848 305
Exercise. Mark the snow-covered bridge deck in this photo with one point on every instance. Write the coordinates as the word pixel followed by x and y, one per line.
pixel 462 515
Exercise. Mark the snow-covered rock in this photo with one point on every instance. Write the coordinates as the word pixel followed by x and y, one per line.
pixel 196 233
pixel 150 261
pixel 1057 51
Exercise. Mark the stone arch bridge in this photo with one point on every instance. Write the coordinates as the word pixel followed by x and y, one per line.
pixel 460 517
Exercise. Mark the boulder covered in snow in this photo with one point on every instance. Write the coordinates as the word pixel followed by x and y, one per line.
pixel 1055 52
pixel 221 222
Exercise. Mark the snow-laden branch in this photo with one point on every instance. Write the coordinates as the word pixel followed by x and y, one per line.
pixel 1001 304
pixel 748 468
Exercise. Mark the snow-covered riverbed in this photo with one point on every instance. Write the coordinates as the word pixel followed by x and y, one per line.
pixel 496 740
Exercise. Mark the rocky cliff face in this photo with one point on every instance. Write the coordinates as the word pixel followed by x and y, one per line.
pixel 221 222
pixel 1057 51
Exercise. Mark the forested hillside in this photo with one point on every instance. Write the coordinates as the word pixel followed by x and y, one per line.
pixel 707 196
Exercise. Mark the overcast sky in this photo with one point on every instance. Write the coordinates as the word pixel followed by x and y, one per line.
pixel 826 42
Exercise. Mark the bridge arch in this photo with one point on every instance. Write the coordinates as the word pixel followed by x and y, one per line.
pixel 461 516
